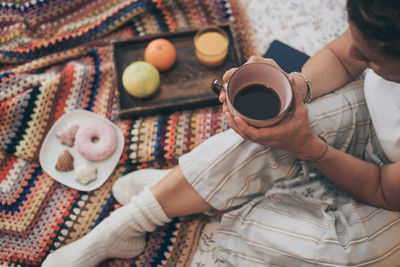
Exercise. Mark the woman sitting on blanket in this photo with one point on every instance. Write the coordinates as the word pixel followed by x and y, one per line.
pixel 274 211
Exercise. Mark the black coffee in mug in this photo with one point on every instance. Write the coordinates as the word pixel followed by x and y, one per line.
pixel 257 101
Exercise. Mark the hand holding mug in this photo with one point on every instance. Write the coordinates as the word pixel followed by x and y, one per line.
pixel 259 92
pixel 291 132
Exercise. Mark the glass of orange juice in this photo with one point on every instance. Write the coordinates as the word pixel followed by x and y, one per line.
pixel 211 44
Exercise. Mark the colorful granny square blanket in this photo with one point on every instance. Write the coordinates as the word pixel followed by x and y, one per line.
pixel 56 56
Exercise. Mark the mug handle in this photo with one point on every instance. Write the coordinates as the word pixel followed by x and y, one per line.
pixel 217 86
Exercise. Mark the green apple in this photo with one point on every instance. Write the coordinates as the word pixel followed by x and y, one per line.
pixel 141 79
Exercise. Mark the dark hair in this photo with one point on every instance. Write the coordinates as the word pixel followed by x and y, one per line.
pixel 379 22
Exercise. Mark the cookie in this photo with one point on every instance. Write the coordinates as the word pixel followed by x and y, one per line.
pixel 67 135
pixel 85 174
pixel 65 162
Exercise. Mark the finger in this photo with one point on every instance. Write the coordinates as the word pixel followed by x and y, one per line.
pixel 298 100
pixel 297 107
pixel 253 134
pixel 233 125
pixel 244 127
pixel 292 81
pixel 222 96
pixel 228 74
pixel 225 108
pixel 294 91
pixel 254 59
pixel 241 124
pixel 257 59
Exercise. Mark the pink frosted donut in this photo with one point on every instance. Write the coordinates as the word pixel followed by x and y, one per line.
pixel 96 140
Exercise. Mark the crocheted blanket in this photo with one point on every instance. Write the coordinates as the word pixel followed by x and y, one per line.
pixel 55 57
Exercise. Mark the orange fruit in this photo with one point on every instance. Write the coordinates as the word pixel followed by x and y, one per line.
pixel 161 53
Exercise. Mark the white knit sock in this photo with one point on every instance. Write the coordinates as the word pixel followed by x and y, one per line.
pixel 120 235
pixel 131 184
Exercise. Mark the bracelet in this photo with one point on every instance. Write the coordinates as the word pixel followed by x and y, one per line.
pixel 323 154
pixel 308 97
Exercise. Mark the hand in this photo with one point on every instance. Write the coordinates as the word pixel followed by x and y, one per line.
pixel 228 74
pixel 293 134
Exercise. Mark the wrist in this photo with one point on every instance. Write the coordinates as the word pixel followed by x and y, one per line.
pixel 316 150
pixel 302 85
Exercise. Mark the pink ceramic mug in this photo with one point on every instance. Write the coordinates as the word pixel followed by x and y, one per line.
pixel 260 93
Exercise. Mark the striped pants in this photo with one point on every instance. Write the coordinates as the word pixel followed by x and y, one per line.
pixel 279 211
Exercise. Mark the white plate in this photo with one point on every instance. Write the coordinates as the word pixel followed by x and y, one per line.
pixel 52 148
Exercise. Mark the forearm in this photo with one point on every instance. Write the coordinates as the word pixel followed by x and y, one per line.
pixel 330 68
pixel 365 181
pixel 325 72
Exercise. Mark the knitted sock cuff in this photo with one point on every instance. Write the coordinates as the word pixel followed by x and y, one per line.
pixel 153 206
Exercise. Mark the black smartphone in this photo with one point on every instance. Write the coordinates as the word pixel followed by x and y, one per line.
pixel 287 57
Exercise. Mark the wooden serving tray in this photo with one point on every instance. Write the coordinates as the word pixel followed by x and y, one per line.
pixel 186 85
